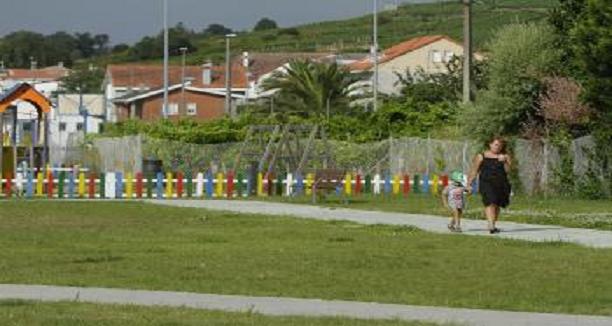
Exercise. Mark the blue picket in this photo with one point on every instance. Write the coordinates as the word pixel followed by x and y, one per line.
pixel 299 185
pixel 30 185
pixel 388 187
pixel 426 183
pixel 160 185
pixel 71 185
pixel 209 184
pixel 119 185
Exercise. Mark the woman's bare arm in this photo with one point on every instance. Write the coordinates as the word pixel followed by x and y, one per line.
pixel 508 164
pixel 474 171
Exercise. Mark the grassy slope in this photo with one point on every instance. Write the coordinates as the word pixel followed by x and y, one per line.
pixel 353 35
pixel 132 245
pixel 69 314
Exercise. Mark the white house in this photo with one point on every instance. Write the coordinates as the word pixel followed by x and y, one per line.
pixel 430 53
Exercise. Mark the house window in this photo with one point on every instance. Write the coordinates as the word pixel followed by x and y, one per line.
pixel 436 56
pixel 173 109
pixel 79 126
pixel 448 56
pixel 62 126
pixel 192 109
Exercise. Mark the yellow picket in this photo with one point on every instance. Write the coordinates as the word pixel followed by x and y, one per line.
pixel 348 186
pixel 219 185
pixel 39 184
pixel 260 184
pixel 309 182
pixel 169 183
pixel 434 184
pixel 81 185
pixel 129 185
pixel 396 185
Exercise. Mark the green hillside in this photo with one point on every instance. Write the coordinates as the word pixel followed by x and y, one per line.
pixel 353 35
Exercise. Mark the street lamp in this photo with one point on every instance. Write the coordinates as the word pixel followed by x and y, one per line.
pixel 183 52
pixel 228 75
pixel 375 53
pixel 165 104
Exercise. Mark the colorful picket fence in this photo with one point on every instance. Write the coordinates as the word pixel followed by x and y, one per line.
pixel 80 185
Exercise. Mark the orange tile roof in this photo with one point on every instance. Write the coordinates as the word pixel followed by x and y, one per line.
pixel 399 50
pixel 151 76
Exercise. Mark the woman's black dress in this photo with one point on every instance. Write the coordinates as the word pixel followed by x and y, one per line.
pixel 494 185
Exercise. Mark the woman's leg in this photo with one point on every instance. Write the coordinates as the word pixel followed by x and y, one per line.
pixel 490 213
pixel 497 209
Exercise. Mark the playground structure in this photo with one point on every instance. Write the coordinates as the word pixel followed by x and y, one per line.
pixel 33 149
pixel 285 148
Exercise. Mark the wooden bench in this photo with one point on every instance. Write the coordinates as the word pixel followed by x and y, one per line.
pixel 326 181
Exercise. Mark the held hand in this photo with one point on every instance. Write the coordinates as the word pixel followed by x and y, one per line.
pixel 468 190
pixel 502 158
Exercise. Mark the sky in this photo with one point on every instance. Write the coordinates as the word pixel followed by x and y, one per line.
pixel 126 21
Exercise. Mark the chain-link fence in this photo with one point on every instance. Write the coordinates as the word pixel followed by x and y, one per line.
pixel 535 161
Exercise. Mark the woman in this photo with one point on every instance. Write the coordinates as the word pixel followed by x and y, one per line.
pixel 492 166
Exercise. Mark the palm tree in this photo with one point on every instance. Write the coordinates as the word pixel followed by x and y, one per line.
pixel 307 87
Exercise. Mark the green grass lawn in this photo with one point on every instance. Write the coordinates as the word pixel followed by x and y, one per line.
pixel 69 314
pixel 593 214
pixel 140 246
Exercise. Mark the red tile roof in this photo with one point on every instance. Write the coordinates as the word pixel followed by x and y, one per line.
pixel 264 63
pixel 399 50
pixel 45 74
pixel 151 76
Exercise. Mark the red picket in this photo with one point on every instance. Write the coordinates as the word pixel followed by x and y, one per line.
pixel 139 185
pixel 230 184
pixel 92 186
pixel 444 181
pixel 49 184
pixel 7 185
pixel 270 185
pixel 406 184
pixel 358 184
pixel 179 185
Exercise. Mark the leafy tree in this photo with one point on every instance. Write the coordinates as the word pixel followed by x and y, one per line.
pixel 521 56
pixel 306 87
pixel 265 24
pixel 591 40
pixel 84 79
pixel 119 48
pixel 216 30
pixel 150 47
pixel 60 46
pixel 17 48
pixel 563 19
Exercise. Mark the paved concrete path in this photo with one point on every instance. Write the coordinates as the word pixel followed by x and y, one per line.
pixel 510 230
pixel 296 307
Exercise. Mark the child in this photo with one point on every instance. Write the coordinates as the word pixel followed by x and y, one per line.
pixel 453 197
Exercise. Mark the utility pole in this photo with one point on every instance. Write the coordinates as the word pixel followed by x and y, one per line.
pixel 467 51
pixel 375 54
pixel 245 64
pixel 228 75
pixel 183 107
pixel 165 104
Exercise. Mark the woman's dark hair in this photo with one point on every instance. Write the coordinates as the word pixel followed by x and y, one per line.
pixel 501 140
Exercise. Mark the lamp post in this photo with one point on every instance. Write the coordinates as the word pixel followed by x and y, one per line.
pixel 165 104
pixel 228 75
pixel 375 53
pixel 183 52
pixel 467 51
